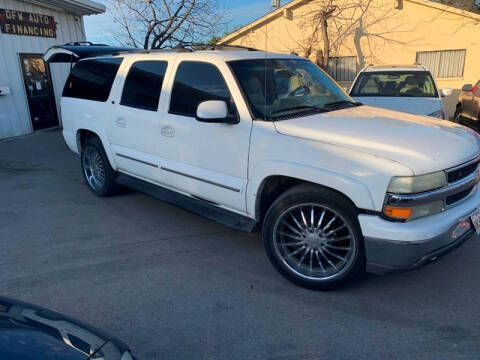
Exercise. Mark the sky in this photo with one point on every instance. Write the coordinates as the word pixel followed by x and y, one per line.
pixel 99 28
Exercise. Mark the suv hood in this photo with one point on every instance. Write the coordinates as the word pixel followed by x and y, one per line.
pixel 421 143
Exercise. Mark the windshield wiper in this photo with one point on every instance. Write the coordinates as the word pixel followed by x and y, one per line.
pixel 337 104
pixel 301 107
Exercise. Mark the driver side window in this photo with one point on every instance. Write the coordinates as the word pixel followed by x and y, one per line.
pixel 196 82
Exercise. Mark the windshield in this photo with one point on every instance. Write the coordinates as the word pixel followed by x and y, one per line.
pixel 278 89
pixel 395 83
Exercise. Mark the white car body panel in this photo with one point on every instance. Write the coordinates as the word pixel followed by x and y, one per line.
pixel 392 135
pixel 412 105
pixel 87 115
pixel 132 132
pixel 215 152
pixel 357 175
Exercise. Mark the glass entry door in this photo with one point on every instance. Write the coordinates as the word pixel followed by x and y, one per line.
pixel 38 87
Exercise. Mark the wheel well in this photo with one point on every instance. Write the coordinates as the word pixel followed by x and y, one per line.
pixel 82 136
pixel 274 186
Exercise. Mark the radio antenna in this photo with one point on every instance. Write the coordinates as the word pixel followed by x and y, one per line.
pixel 265 73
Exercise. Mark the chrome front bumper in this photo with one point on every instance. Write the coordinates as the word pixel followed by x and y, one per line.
pixel 391 246
pixel 386 256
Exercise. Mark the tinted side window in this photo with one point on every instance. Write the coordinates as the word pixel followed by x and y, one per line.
pixel 144 84
pixel 92 79
pixel 196 82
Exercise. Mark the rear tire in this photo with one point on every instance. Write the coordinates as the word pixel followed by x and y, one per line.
pixel 313 238
pixel 96 169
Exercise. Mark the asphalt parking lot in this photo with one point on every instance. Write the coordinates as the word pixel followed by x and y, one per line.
pixel 175 285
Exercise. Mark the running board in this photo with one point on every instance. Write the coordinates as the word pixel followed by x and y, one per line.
pixel 193 204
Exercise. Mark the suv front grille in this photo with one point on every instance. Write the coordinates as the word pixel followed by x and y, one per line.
pixel 450 200
pixel 461 172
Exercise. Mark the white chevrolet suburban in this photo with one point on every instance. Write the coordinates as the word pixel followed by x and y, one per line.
pixel 269 141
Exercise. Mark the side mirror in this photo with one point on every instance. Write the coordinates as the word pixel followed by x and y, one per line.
pixel 467 87
pixel 446 92
pixel 215 111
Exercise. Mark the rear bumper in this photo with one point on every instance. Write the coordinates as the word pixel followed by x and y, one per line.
pixel 392 246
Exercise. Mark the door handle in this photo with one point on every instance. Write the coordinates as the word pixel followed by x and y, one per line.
pixel 121 122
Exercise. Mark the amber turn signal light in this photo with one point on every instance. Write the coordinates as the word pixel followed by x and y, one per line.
pixel 398 212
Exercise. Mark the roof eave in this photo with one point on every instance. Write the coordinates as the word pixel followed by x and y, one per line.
pixel 271 15
pixel 76 7
pixel 447 8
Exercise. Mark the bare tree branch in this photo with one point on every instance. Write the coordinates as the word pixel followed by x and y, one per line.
pixel 165 23
pixel 336 24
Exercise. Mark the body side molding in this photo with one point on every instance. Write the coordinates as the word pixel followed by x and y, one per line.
pixel 195 205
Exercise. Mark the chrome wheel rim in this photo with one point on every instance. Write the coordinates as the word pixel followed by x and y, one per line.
pixel 93 168
pixel 314 242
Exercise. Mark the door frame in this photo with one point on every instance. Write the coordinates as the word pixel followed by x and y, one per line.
pixel 190 178
pixel 53 105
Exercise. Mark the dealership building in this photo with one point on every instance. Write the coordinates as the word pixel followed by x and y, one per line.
pixel 29 88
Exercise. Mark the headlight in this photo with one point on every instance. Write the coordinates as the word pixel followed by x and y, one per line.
pixel 411 185
pixel 411 213
pixel 417 184
pixel 440 114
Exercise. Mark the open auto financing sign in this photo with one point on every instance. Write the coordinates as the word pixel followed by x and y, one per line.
pixel 28 24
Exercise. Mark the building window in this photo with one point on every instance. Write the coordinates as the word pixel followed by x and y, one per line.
pixel 343 68
pixel 443 64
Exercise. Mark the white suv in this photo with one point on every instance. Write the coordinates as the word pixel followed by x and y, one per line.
pixel 408 88
pixel 268 141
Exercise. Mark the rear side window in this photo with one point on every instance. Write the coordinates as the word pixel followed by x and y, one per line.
pixel 144 84
pixel 92 79
pixel 196 82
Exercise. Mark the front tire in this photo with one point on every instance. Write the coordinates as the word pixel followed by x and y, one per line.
pixel 313 238
pixel 96 169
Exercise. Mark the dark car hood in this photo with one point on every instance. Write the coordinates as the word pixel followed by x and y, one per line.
pixel 29 332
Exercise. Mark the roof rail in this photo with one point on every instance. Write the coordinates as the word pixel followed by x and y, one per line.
pixel 85 49
pixel 152 51
pixel 223 47
pixel 188 48
pixel 83 43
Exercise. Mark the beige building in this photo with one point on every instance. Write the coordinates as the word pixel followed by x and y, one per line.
pixel 443 38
